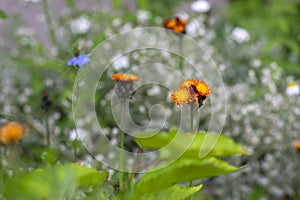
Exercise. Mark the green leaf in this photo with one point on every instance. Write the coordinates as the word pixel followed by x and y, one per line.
pixel 181 171
pixel 70 3
pixel 175 144
pixel 156 141
pixel 3 15
pixel 52 182
pixel 174 192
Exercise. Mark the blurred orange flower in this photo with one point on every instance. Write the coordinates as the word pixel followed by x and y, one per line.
pixel 297 145
pixel 191 91
pixel 176 24
pixel 11 132
pixel 125 77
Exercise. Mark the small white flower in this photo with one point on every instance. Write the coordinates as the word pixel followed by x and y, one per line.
pixel 121 62
pixel 154 90
pixel 80 25
pixel 195 28
pixel 143 15
pixel 77 134
pixel 240 35
pixel 85 43
pixel 200 6
pixel 73 134
pixel 292 89
pixel 183 16
pixel 192 26
pixel 25 31
pixel 117 22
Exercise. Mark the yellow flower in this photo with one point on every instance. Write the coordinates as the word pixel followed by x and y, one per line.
pixel 297 145
pixel 180 97
pixel 11 132
pixel 125 77
pixel 176 24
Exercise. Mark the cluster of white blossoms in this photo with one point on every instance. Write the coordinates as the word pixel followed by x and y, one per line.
pixel 240 35
pixel 201 6
pixel 80 25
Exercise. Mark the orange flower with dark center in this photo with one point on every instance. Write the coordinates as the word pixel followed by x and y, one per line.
pixel 11 132
pixel 176 24
pixel 297 145
pixel 203 89
pixel 125 77
pixel 189 85
pixel 191 91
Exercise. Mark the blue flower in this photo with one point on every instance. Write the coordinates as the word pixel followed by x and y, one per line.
pixel 79 61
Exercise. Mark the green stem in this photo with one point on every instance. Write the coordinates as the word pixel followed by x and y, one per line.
pixel 180 50
pixel 192 118
pixel 122 144
pixel 47 130
pixel 49 23
pixel 74 143
pixel 191 129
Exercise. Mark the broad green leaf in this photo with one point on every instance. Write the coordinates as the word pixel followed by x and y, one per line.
pixel 174 144
pixel 174 192
pixel 53 182
pixel 3 15
pixel 180 171
pixel 156 141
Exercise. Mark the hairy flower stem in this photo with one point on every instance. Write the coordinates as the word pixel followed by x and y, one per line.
pixel 74 144
pixel 192 118
pixel 47 130
pixel 122 144
pixel 180 50
pixel 49 23
pixel 192 129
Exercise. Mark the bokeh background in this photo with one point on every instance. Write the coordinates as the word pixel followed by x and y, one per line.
pixel 256 47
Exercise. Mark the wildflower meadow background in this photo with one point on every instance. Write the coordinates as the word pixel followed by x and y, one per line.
pixel 150 99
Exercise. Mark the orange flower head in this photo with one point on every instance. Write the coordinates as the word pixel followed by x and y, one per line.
pixel 189 85
pixel 203 89
pixel 176 25
pixel 297 145
pixel 11 132
pixel 180 97
pixel 191 91
pixel 125 77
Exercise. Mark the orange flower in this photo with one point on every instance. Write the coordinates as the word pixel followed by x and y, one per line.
pixel 176 24
pixel 203 89
pixel 189 85
pixel 11 132
pixel 180 97
pixel 297 145
pixel 125 77
pixel 191 91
